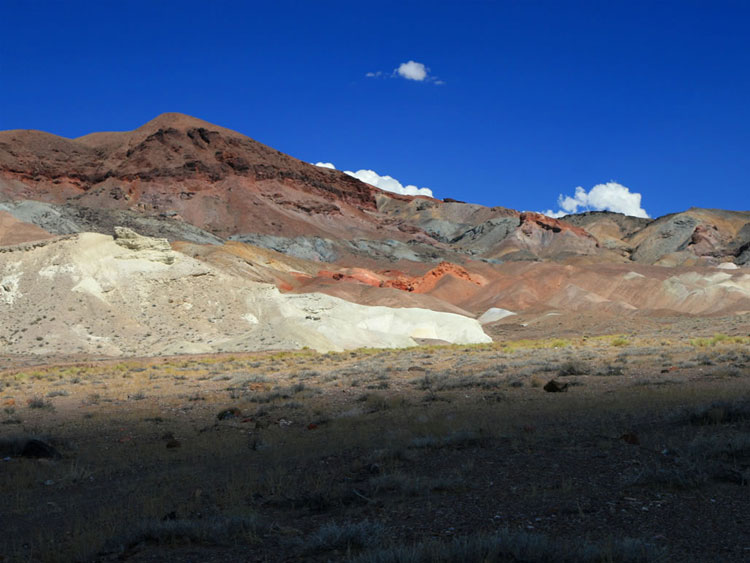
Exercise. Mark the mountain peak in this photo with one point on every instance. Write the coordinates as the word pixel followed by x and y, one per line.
pixel 169 120
pixel 179 121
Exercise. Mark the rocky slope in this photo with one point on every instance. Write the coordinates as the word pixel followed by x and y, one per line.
pixel 271 252
pixel 13 231
pixel 134 295
pixel 178 166
pixel 186 179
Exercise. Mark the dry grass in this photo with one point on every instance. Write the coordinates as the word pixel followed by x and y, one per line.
pixel 376 453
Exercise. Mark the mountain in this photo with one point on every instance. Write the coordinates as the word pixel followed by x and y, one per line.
pixel 227 185
pixel 253 215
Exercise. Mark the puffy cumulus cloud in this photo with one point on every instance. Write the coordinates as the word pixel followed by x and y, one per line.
pixel 412 70
pixel 385 183
pixel 388 183
pixel 553 214
pixel 602 197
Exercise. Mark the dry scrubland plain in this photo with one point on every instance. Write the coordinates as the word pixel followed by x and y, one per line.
pixel 452 453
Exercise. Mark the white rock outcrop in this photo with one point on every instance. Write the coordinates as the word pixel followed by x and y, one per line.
pixel 134 295
pixel 154 249
pixel 494 314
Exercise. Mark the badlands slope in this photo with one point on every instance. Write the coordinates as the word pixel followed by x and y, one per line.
pixel 272 252
pixel 185 179
pixel 612 289
pixel 131 295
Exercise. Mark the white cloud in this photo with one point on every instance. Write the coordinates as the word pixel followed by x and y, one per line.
pixel 602 197
pixel 410 70
pixel 553 214
pixel 413 71
pixel 388 183
pixel 385 183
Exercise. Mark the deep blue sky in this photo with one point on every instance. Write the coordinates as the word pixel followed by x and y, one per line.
pixel 539 97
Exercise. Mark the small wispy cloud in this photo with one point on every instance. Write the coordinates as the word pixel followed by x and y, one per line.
pixel 410 70
pixel 385 183
pixel 602 197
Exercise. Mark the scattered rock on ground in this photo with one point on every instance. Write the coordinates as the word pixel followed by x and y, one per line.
pixel 227 414
pixel 37 449
pixel 553 386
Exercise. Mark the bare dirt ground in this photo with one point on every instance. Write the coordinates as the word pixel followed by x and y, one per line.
pixel 453 453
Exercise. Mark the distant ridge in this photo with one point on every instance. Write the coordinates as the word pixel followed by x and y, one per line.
pixel 225 184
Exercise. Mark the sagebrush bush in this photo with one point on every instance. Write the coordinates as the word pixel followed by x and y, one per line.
pixel 345 537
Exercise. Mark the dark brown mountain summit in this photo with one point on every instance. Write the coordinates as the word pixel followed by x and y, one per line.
pixel 212 177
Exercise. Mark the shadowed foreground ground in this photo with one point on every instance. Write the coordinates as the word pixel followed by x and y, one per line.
pixel 428 454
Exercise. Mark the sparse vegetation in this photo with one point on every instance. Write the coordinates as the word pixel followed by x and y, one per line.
pixel 344 537
pixel 39 403
pixel 212 531
pixel 509 546
pixel 419 462
pixel 573 367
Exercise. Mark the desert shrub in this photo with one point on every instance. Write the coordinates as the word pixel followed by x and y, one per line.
pixel 573 367
pixel 726 446
pixel 374 402
pixel 705 360
pixel 512 546
pixel 307 374
pixel 454 439
pixel 730 356
pixel 725 372
pixel 246 379
pixel 215 531
pixel 266 397
pixel 610 370
pixel 344 537
pixel 276 393
pixel 424 383
pixel 685 475
pixel 461 382
pixel 12 445
pixel 721 413
pixel 716 339
pixel 39 403
pixel 414 485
